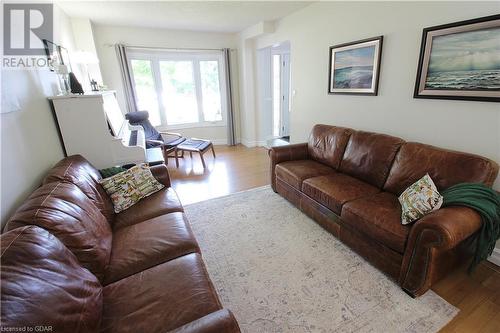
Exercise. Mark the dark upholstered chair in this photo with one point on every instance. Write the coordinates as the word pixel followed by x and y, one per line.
pixel 154 139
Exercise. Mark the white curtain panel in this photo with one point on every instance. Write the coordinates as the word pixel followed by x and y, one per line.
pixel 231 136
pixel 121 52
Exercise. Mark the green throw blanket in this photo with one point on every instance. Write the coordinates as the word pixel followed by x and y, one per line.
pixel 487 203
pixel 106 173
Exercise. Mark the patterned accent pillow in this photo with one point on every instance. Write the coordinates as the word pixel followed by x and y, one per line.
pixel 127 188
pixel 421 198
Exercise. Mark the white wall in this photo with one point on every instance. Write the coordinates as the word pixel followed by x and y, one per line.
pixel 462 125
pixel 264 95
pixel 248 102
pixel 247 64
pixel 107 36
pixel 29 141
pixel 84 41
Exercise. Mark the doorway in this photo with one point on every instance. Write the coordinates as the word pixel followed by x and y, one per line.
pixel 274 91
pixel 281 90
pixel 281 94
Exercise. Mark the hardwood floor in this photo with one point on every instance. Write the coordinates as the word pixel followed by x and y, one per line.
pixel 476 295
pixel 234 169
pixel 239 168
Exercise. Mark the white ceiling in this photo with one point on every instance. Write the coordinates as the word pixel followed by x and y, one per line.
pixel 215 16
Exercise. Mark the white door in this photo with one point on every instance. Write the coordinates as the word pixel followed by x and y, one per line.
pixel 281 93
pixel 285 95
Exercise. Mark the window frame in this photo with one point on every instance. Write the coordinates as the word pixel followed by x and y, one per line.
pixel 195 57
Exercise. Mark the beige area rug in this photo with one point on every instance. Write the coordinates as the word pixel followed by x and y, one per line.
pixel 279 271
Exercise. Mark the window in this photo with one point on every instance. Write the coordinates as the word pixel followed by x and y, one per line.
pixel 145 89
pixel 180 89
pixel 179 92
pixel 212 109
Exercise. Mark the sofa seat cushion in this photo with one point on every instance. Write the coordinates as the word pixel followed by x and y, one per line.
pixel 43 283
pixel 149 243
pixel 335 190
pixel 160 298
pixel 162 202
pixel 378 216
pixel 295 172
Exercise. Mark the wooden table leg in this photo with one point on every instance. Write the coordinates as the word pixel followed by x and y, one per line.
pixel 202 160
pixel 165 155
pixel 176 158
pixel 213 151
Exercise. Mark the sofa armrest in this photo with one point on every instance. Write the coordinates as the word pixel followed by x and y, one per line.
pixel 451 226
pixel 431 250
pixel 293 152
pixel 160 172
pixel 286 153
pixel 221 321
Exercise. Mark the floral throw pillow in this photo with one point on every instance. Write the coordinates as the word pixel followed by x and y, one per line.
pixel 127 188
pixel 421 198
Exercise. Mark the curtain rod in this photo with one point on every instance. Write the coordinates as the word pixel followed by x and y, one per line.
pixel 169 48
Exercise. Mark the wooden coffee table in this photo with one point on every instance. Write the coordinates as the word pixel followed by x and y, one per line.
pixel 194 145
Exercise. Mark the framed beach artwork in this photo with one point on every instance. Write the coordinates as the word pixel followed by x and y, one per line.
pixel 355 67
pixel 460 61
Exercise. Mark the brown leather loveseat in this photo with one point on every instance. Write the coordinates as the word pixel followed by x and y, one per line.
pixel 70 264
pixel 349 182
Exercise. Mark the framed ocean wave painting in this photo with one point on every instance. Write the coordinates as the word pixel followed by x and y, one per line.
pixel 460 60
pixel 355 67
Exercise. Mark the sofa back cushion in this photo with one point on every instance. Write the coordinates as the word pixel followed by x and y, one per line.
pixel 63 210
pixel 77 170
pixel 327 144
pixel 369 156
pixel 43 284
pixel 445 167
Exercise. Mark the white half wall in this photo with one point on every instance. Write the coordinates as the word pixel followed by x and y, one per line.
pixel 107 36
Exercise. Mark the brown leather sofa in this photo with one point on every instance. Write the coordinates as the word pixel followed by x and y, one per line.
pixel 349 182
pixel 70 263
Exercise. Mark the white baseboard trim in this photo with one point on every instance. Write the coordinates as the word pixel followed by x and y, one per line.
pixel 261 143
pixel 495 256
pixel 250 144
pixel 247 143
pixel 219 142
